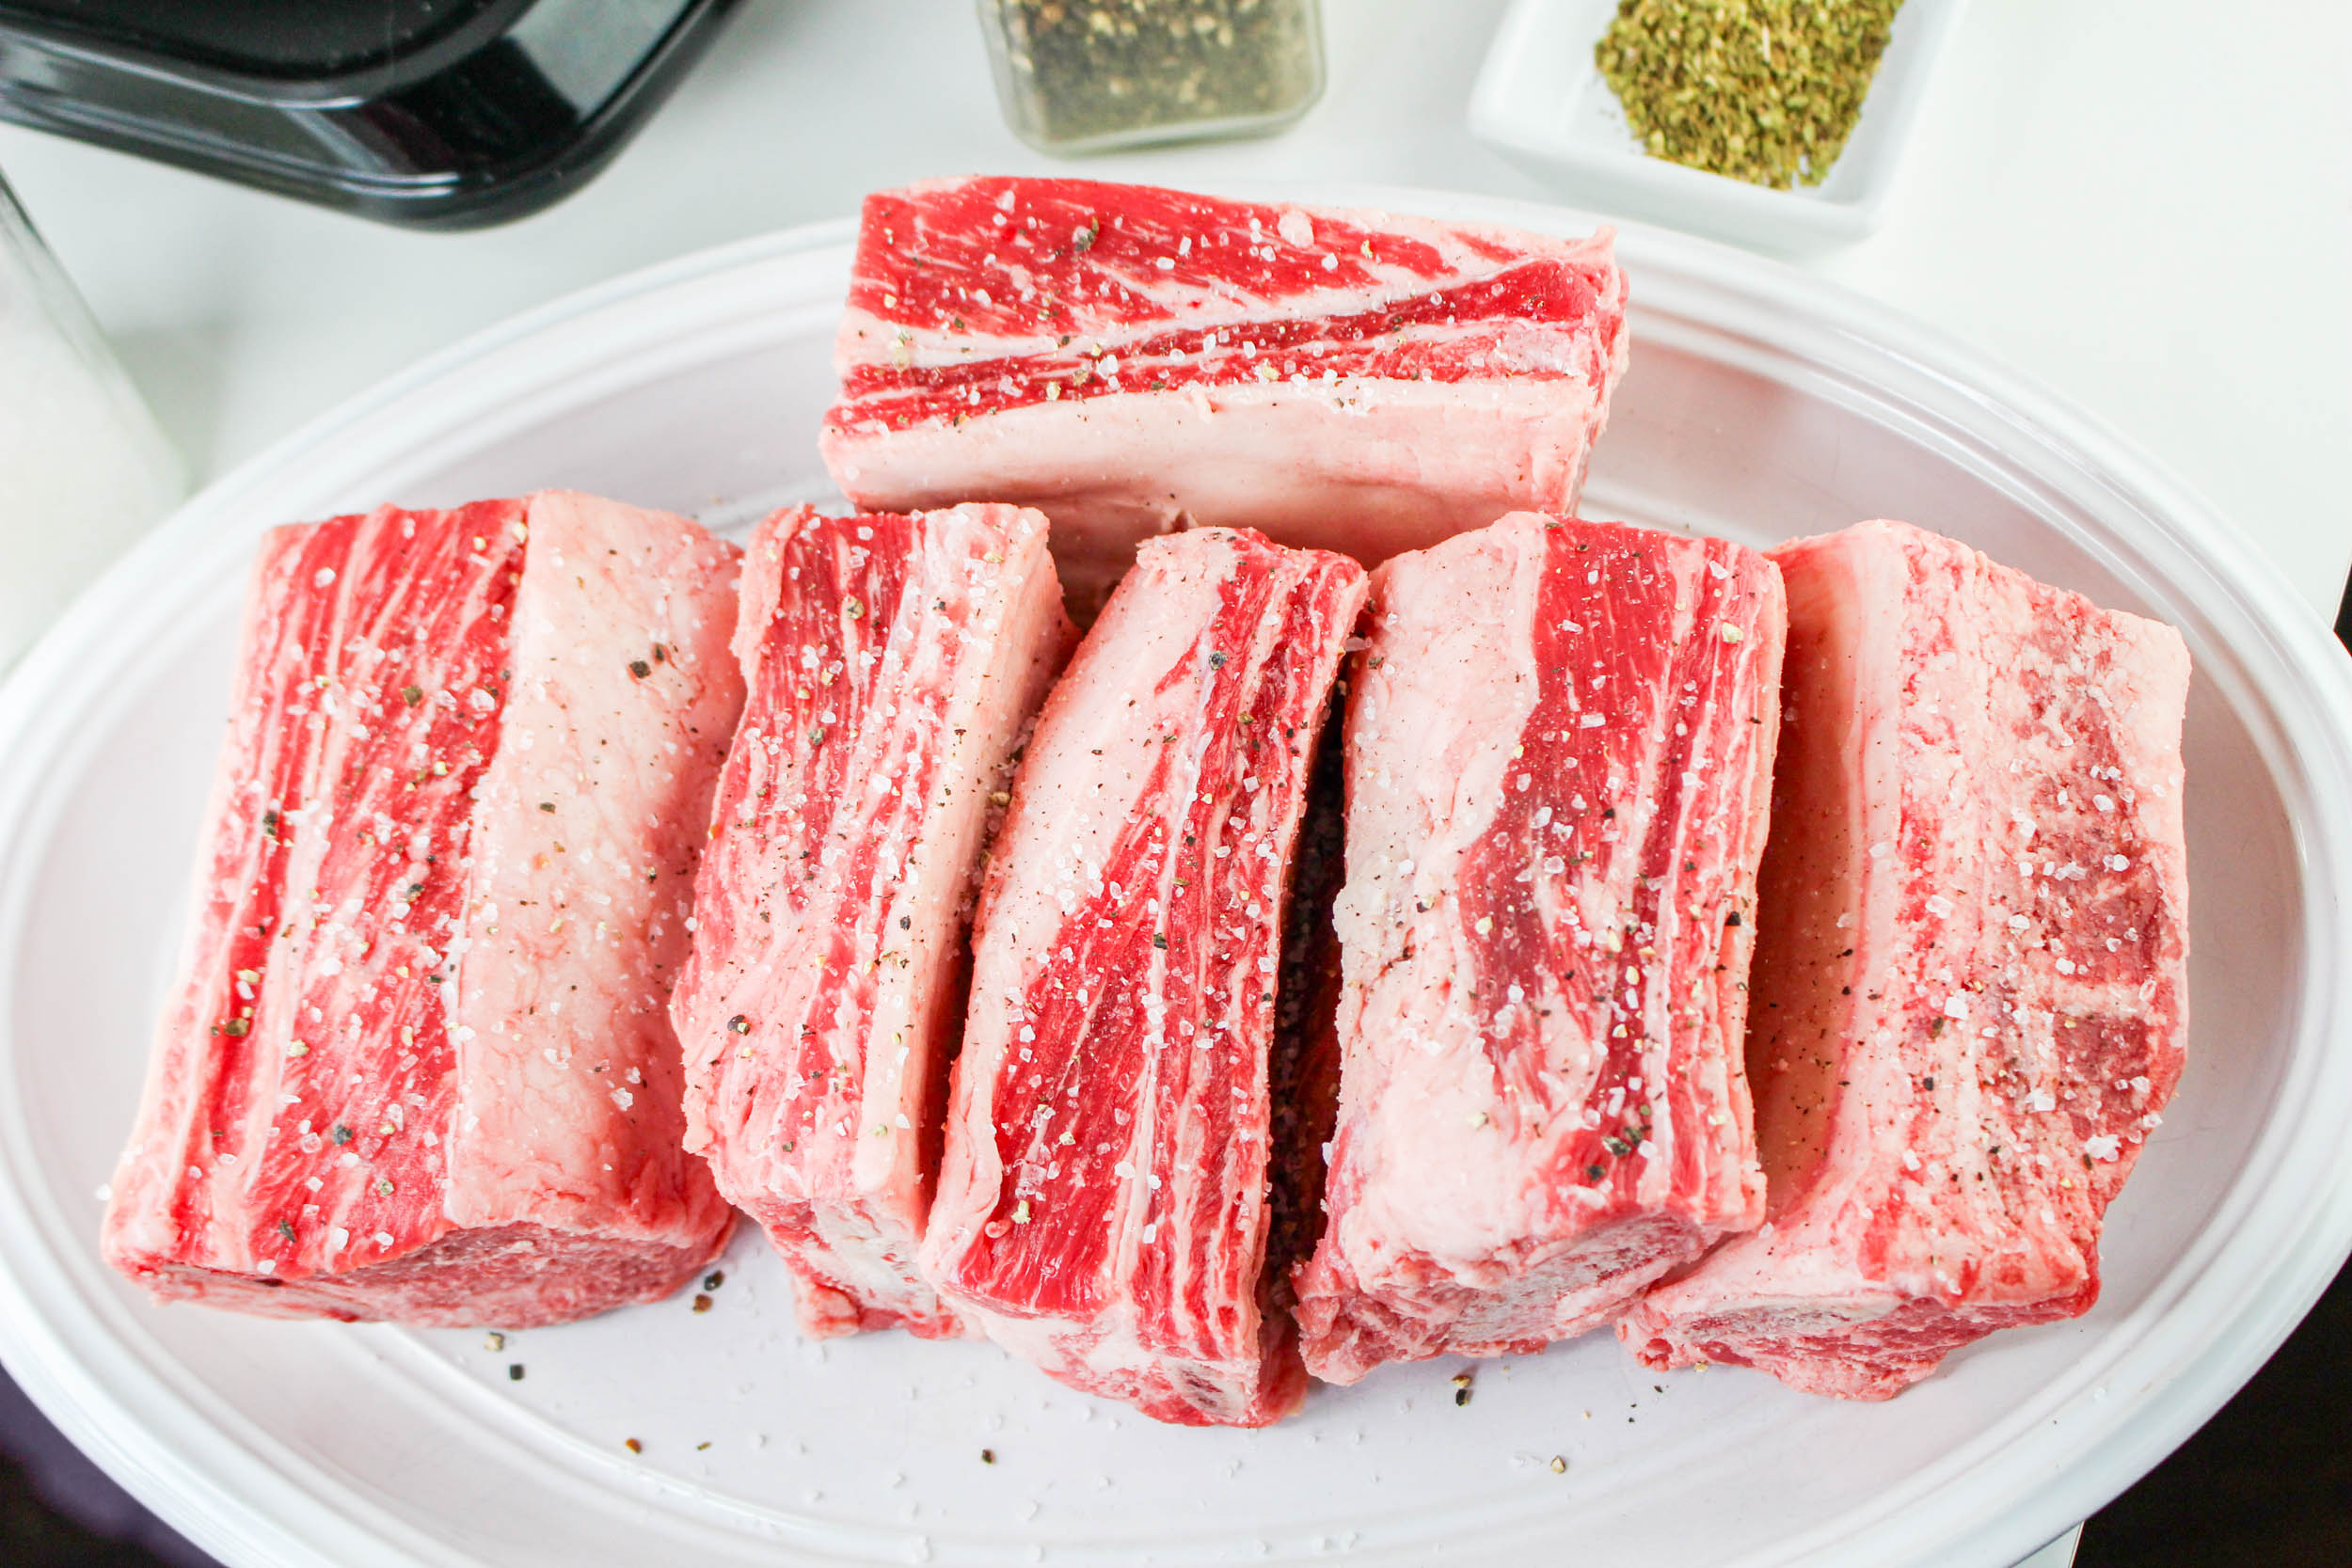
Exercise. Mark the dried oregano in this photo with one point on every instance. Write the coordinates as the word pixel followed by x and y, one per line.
pixel 1763 91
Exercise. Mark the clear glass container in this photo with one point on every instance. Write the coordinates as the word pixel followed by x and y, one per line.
pixel 84 471
pixel 1091 75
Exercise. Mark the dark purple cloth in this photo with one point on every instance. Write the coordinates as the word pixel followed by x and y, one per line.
pixel 57 1510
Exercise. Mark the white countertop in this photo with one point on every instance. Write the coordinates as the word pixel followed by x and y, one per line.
pixel 2143 204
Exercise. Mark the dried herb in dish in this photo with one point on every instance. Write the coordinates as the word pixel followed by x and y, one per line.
pixel 1078 74
pixel 1762 90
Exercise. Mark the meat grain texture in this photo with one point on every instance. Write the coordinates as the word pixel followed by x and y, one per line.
pixel 1971 994
pixel 1559 751
pixel 1103 1205
pixel 1129 358
pixel 895 664
pixel 417 1064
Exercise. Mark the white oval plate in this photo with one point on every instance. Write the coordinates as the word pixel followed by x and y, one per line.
pixel 1760 404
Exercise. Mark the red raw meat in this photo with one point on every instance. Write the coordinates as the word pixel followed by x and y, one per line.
pixel 419 1064
pixel 1557 754
pixel 1103 1201
pixel 1128 358
pixel 894 664
pixel 1970 989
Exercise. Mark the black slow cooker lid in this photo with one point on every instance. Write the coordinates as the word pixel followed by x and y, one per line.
pixel 258 42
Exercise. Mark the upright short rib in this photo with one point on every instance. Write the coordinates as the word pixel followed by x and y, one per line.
pixel 1559 752
pixel 895 665
pixel 419 1062
pixel 1970 996
pixel 1103 1207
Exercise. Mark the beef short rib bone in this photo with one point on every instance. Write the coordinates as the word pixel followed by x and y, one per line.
pixel 1558 748
pixel 1125 357
pixel 894 665
pixel 1970 993
pixel 419 1065
pixel 1103 1201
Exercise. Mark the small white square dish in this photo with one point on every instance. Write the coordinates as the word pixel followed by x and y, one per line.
pixel 1540 99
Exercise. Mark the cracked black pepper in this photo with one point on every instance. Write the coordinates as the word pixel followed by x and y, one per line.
pixel 1084 74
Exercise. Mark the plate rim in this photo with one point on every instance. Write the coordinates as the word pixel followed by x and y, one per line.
pixel 125 1438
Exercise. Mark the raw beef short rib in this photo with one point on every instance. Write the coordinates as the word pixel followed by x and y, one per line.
pixel 419 1062
pixel 1129 358
pixel 1103 1202
pixel 894 665
pixel 1970 993
pixel 1558 752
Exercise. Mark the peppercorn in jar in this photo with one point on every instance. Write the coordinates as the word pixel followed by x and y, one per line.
pixel 1091 75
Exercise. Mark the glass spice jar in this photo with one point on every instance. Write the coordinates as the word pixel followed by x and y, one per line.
pixel 1091 75
pixel 84 471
